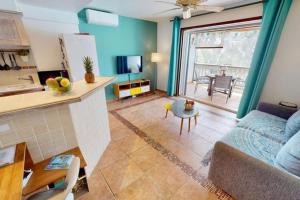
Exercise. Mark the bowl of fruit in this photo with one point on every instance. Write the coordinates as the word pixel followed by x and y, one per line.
pixel 189 105
pixel 59 85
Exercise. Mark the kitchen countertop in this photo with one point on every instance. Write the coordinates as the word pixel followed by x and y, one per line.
pixel 80 90
pixel 19 89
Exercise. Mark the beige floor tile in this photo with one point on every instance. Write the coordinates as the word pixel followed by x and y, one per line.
pixel 167 176
pixel 120 132
pixel 111 155
pixel 143 189
pixel 130 143
pixel 98 188
pixel 147 157
pixel 122 173
pixel 182 152
pixel 193 191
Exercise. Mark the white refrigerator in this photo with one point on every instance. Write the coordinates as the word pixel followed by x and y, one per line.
pixel 74 47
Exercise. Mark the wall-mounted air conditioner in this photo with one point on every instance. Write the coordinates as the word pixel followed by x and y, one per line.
pixel 101 18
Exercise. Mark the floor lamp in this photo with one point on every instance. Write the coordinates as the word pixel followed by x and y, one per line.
pixel 155 58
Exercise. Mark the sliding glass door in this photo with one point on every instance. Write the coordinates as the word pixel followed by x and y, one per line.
pixel 215 62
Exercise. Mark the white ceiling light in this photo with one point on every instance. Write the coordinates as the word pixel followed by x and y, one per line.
pixel 186 13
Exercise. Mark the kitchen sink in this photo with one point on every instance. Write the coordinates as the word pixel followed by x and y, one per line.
pixel 15 89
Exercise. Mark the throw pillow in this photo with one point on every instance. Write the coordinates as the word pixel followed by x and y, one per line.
pixel 293 124
pixel 288 158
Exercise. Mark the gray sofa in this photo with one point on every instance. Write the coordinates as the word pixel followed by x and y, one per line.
pixel 243 162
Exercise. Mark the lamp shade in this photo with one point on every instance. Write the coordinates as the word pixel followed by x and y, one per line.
pixel 156 57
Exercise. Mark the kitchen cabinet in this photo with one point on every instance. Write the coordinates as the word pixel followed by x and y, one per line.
pixel 12 32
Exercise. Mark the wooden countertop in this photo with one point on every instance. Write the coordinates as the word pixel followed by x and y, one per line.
pixel 11 176
pixel 80 90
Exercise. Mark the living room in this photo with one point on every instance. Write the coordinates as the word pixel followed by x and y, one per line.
pixel 101 85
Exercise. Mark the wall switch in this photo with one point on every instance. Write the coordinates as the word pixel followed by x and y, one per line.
pixel 4 128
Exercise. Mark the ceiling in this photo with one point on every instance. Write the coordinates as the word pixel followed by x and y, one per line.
pixel 65 5
pixel 141 9
pixel 146 9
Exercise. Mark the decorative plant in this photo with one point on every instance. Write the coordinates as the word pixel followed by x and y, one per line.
pixel 88 65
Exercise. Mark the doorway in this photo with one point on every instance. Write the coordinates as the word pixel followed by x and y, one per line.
pixel 215 61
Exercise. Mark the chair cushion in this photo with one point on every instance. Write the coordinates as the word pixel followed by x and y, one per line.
pixel 267 125
pixel 288 158
pixel 293 124
pixel 253 144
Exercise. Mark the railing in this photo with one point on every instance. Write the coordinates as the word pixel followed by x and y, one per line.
pixel 240 73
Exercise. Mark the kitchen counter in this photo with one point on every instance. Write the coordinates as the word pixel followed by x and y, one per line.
pixel 19 89
pixel 80 90
pixel 53 124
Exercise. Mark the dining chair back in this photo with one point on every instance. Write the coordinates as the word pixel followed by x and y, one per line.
pixel 199 78
pixel 222 84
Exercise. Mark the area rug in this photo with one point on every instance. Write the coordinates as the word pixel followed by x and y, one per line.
pixel 187 169
pixel 207 158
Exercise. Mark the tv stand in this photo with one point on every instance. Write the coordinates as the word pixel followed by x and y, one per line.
pixel 131 88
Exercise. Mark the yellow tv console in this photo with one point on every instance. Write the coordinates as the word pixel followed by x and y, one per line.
pixel 132 88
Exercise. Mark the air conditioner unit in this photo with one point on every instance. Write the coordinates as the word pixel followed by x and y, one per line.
pixel 101 18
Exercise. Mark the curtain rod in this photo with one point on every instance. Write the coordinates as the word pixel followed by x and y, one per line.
pixel 235 7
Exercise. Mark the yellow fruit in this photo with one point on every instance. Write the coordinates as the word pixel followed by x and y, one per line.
pixel 52 83
pixel 65 82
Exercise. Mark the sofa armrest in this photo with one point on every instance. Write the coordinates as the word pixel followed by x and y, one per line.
pixel 245 177
pixel 277 110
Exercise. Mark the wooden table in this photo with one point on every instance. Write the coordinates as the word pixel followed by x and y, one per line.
pixel 41 177
pixel 11 176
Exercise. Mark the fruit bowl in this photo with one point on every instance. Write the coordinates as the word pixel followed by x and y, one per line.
pixel 59 85
pixel 189 105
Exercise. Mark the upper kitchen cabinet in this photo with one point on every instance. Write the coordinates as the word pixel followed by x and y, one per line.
pixel 12 32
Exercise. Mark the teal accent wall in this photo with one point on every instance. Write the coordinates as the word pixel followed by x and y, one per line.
pixel 131 37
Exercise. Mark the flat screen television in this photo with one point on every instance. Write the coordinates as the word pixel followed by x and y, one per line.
pixel 129 64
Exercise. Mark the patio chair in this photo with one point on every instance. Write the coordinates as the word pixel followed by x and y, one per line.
pixel 199 79
pixel 222 84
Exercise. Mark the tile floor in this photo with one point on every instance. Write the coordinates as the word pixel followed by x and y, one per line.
pixel 219 99
pixel 147 159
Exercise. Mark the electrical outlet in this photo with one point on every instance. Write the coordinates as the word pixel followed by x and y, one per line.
pixel 4 128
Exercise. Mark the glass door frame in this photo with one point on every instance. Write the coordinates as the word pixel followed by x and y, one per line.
pixel 185 32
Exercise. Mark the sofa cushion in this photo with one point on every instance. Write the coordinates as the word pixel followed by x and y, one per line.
pixel 267 125
pixel 293 124
pixel 253 144
pixel 288 158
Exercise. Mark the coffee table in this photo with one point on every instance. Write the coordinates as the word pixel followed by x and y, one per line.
pixel 178 110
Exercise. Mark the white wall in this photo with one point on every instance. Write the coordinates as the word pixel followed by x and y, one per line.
pixel 9 5
pixel 164 40
pixel 284 77
pixel 93 135
pixel 164 33
pixel 43 27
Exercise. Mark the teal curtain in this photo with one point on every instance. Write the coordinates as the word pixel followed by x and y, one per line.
pixel 174 57
pixel 274 16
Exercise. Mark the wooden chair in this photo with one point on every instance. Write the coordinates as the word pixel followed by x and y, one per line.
pixel 222 84
pixel 64 193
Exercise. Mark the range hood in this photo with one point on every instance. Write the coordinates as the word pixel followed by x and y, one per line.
pixel 12 32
